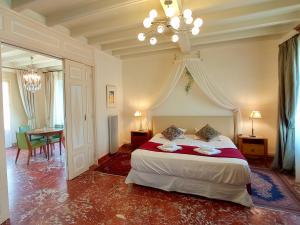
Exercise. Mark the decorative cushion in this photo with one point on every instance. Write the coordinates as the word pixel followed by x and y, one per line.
pixel 207 132
pixel 172 132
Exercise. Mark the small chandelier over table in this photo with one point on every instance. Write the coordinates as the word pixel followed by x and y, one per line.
pixel 177 24
pixel 32 81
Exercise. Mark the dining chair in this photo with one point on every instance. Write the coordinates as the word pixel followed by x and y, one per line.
pixel 25 128
pixel 57 138
pixel 24 143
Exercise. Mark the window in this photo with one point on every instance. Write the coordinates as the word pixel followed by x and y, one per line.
pixel 6 113
pixel 58 102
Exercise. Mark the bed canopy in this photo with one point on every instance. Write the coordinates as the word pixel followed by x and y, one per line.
pixel 204 82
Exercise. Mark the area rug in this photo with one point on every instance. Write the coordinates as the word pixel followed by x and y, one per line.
pixel 117 164
pixel 269 189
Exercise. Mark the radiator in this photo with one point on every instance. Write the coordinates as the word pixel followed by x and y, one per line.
pixel 113 137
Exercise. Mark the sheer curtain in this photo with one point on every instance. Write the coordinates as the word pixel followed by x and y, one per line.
pixel 28 100
pixel 205 83
pixel 58 100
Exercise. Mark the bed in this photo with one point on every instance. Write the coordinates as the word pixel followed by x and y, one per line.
pixel 212 177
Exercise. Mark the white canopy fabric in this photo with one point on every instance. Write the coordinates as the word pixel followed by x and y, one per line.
pixel 205 83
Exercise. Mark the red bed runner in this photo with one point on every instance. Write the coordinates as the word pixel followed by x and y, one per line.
pixel 225 152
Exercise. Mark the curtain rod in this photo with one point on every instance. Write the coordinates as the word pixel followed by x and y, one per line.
pixel 12 68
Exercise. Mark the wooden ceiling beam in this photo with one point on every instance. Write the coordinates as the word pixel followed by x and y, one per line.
pixel 287 19
pixel 19 5
pixel 90 9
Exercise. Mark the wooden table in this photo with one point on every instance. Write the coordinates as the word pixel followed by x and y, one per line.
pixel 47 133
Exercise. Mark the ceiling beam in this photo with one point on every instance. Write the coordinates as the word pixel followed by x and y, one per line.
pixel 228 16
pixel 215 30
pixel 184 41
pixel 90 9
pixel 19 5
pixel 146 48
pixel 203 41
pixel 259 32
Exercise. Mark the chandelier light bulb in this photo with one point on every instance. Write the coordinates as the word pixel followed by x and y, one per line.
pixel 147 22
pixel 160 29
pixel 153 41
pixel 195 30
pixel 175 38
pixel 189 20
pixel 141 37
pixel 170 12
pixel 153 14
pixel 187 13
pixel 198 22
pixel 175 22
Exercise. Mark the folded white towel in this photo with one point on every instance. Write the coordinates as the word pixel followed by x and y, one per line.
pixel 207 151
pixel 169 147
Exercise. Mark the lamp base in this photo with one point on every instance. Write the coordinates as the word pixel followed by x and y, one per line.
pixel 251 135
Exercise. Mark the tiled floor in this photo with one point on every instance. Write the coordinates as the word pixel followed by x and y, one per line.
pixel 40 195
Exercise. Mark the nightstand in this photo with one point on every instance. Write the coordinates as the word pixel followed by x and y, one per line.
pixel 253 147
pixel 140 137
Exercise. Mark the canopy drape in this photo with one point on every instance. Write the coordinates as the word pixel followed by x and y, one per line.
pixel 205 83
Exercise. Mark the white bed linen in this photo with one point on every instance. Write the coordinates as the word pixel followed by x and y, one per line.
pixel 211 169
pixel 227 192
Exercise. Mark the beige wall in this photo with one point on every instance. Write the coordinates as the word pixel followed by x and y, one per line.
pixel 108 71
pixel 247 73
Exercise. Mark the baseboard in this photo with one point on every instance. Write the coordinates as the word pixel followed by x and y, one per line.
pixel 103 159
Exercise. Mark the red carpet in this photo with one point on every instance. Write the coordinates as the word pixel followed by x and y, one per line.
pixel 269 189
pixel 40 195
pixel 118 164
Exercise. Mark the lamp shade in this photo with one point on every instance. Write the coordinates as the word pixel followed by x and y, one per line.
pixel 255 115
pixel 137 114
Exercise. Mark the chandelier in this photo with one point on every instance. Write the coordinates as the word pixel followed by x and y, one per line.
pixel 32 81
pixel 170 24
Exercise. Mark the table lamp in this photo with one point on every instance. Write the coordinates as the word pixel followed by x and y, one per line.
pixel 254 115
pixel 138 114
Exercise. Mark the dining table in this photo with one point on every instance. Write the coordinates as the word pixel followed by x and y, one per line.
pixel 47 133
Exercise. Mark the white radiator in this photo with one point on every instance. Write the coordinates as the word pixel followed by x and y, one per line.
pixel 113 137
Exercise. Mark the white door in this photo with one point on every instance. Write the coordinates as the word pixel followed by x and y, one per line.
pixel 3 178
pixel 77 77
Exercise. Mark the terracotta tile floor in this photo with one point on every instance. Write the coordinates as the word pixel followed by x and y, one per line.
pixel 40 195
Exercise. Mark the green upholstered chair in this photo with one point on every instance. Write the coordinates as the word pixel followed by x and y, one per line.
pixel 57 138
pixel 24 143
pixel 25 128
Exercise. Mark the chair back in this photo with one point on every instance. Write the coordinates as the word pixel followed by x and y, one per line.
pixel 24 128
pixel 22 141
pixel 58 126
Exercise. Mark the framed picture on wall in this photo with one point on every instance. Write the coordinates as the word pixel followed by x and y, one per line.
pixel 111 92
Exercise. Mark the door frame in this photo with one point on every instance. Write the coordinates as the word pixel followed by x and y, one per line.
pixel 4 209
pixel 4 203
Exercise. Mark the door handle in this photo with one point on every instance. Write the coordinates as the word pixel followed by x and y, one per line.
pixel 85 117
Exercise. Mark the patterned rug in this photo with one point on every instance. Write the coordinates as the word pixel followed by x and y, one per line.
pixel 273 190
pixel 117 164
pixel 269 189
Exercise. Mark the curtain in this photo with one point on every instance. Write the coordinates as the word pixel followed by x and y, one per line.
pixel 28 100
pixel 288 76
pixel 205 83
pixel 54 98
pixel 49 98
pixel 58 101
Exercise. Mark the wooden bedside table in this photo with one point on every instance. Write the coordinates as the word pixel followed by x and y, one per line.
pixel 256 147
pixel 140 137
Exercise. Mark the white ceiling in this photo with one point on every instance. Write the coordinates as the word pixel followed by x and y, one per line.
pixel 113 25
pixel 12 57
